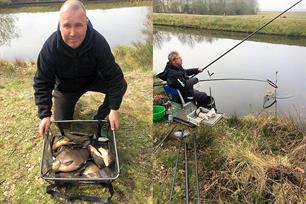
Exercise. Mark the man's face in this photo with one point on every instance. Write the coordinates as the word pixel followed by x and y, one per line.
pixel 73 26
pixel 177 61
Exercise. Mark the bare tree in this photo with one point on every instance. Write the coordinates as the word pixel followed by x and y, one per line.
pixel 7 28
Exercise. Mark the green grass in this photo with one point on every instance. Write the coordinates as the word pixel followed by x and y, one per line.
pixel 290 24
pixel 20 145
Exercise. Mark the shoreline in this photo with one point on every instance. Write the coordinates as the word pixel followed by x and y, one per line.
pixel 259 37
pixel 291 24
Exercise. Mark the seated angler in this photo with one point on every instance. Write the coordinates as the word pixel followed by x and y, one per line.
pixel 179 78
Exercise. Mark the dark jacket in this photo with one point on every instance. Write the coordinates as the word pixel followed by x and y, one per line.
pixel 178 77
pixel 70 70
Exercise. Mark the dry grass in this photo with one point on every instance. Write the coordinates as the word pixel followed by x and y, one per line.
pixel 251 159
pixel 20 145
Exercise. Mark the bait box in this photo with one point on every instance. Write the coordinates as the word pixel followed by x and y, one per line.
pixel 192 118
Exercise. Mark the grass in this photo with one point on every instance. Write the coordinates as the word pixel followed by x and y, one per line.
pixel 250 159
pixel 290 24
pixel 20 146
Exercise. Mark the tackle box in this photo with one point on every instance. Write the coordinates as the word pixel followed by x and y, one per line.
pixel 192 118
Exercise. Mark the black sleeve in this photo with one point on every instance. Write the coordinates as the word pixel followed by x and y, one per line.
pixel 111 74
pixel 192 71
pixel 44 81
pixel 191 82
pixel 177 80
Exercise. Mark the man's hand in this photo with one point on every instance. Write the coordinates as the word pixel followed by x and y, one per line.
pixel 44 126
pixel 114 119
pixel 200 69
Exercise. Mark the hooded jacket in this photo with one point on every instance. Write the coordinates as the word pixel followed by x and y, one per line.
pixel 178 77
pixel 71 70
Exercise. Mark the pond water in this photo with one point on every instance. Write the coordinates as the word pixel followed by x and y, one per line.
pixel 26 32
pixel 260 58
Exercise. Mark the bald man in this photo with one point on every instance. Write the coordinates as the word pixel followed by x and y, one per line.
pixel 178 77
pixel 73 60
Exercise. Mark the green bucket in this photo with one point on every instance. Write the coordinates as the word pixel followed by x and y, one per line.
pixel 158 113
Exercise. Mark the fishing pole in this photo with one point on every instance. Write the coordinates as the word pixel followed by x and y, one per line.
pixel 175 170
pixel 162 141
pixel 196 169
pixel 182 135
pixel 271 83
pixel 247 37
pixel 186 172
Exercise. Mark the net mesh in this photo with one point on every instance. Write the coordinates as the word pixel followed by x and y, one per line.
pixel 269 96
pixel 85 131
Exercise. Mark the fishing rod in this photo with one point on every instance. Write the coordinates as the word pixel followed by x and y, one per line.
pixel 175 170
pixel 182 135
pixel 162 141
pixel 271 83
pixel 196 169
pixel 247 37
pixel 186 172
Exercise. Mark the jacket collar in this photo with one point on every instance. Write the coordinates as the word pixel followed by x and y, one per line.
pixel 169 66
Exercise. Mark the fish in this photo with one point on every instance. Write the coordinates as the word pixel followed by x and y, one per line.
pixel 108 157
pixel 96 156
pixel 70 159
pixel 93 171
pixel 102 157
pixel 62 141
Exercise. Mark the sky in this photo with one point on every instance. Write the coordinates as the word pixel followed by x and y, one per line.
pixel 280 5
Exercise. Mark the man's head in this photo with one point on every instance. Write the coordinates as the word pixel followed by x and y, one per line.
pixel 73 23
pixel 175 58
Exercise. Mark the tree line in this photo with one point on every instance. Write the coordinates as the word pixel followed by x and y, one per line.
pixel 206 7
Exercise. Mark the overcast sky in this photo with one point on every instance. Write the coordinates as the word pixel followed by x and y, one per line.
pixel 280 5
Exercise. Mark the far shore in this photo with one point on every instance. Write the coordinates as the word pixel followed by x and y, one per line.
pixel 291 24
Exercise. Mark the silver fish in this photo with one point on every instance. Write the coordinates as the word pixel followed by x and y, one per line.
pixel 70 159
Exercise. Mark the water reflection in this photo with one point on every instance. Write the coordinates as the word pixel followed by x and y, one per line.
pixel 191 37
pixel 7 28
pixel 120 26
pixel 185 37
